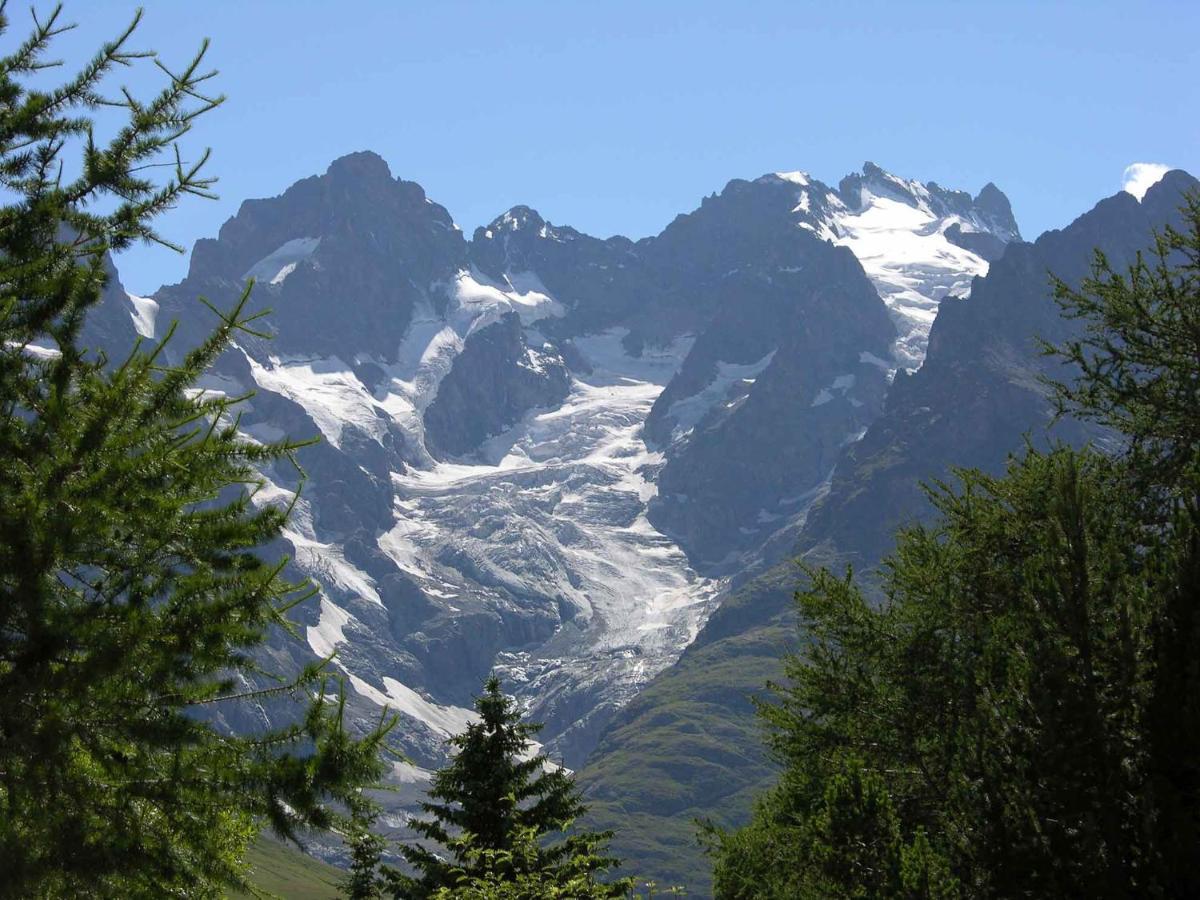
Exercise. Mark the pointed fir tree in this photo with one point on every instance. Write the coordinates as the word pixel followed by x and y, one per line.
pixel 493 812
pixel 366 848
pixel 134 588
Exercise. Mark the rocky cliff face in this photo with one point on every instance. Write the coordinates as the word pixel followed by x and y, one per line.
pixel 496 379
pixel 979 389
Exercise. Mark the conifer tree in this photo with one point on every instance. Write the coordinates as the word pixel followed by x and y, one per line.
pixel 1139 356
pixel 494 808
pixel 366 849
pixel 133 585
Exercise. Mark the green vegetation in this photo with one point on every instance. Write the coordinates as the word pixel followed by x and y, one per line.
pixel 1020 717
pixel 280 870
pixel 493 813
pixel 668 757
pixel 133 589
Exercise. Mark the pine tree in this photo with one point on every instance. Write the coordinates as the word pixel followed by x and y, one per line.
pixel 134 589
pixel 515 875
pixel 494 808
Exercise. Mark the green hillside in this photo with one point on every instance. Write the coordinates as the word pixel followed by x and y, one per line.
pixel 285 872
pixel 689 746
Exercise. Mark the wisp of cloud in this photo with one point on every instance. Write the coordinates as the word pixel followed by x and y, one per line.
pixel 1140 177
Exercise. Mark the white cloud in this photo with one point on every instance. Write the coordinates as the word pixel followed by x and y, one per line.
pixel 1140 177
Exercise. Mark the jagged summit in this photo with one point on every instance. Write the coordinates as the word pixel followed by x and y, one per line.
pixel 518 218
pixel 366 165
pixel 918 243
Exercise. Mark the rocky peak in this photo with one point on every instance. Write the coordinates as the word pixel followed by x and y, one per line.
pixel 356 199
pixel 363 166
pixel 514 242
pixel 993 203
pixel 748 224
pixel 348 254
pixel 988 211
pixel 519 218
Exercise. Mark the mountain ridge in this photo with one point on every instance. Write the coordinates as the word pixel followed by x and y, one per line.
pixel 501 483
pixel 972 403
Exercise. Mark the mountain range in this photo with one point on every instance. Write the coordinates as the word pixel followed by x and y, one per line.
pixel 588 464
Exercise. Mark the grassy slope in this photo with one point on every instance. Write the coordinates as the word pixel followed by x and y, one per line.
pixel 284 871
pixel 689 746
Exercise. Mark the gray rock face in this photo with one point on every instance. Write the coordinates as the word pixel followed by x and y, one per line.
pixel 343 259
pixel 112 325
pixel 978 391
pixel 805 387
pixel 602 283
pixel 494 381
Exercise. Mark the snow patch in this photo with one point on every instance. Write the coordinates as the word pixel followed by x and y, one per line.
pixel 446 720
pixel 843 384
pixel 324 637
pixel 688 412
pixel 871 359
pixel 906 254
pixel 282 262
pixel 34 350
pixel 484 301
pixel 328 390
pixel 144 313
pixel 800 178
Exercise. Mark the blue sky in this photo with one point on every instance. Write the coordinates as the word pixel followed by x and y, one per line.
pixel 613 117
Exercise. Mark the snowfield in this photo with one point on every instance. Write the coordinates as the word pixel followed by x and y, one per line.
pixel 906 254
pixel 554 514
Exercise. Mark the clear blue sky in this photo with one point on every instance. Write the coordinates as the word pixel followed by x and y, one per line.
pixel 613 117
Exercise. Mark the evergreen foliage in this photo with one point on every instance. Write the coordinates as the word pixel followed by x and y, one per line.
pixel 366 849
pixel 1140 353
pixel 519 874
pixel 1020 717
pixel 133 586
pixel 493 812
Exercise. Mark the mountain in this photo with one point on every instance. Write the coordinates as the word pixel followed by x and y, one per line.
pixel 687 746
pixel 550 454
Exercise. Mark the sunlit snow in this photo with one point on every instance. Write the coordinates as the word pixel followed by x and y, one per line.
pixel 277 266
pixel 905 253
pixel 144 313
pixel 556 509
pixel 446 720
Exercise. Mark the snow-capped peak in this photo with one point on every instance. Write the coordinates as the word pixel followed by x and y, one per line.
pixel 800 178
pixel 918 242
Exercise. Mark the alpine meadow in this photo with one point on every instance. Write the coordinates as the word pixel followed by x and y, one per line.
pixel 833 540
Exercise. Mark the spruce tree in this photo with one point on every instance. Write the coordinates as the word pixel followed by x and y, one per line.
pixel 134 589
pixel 494 809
